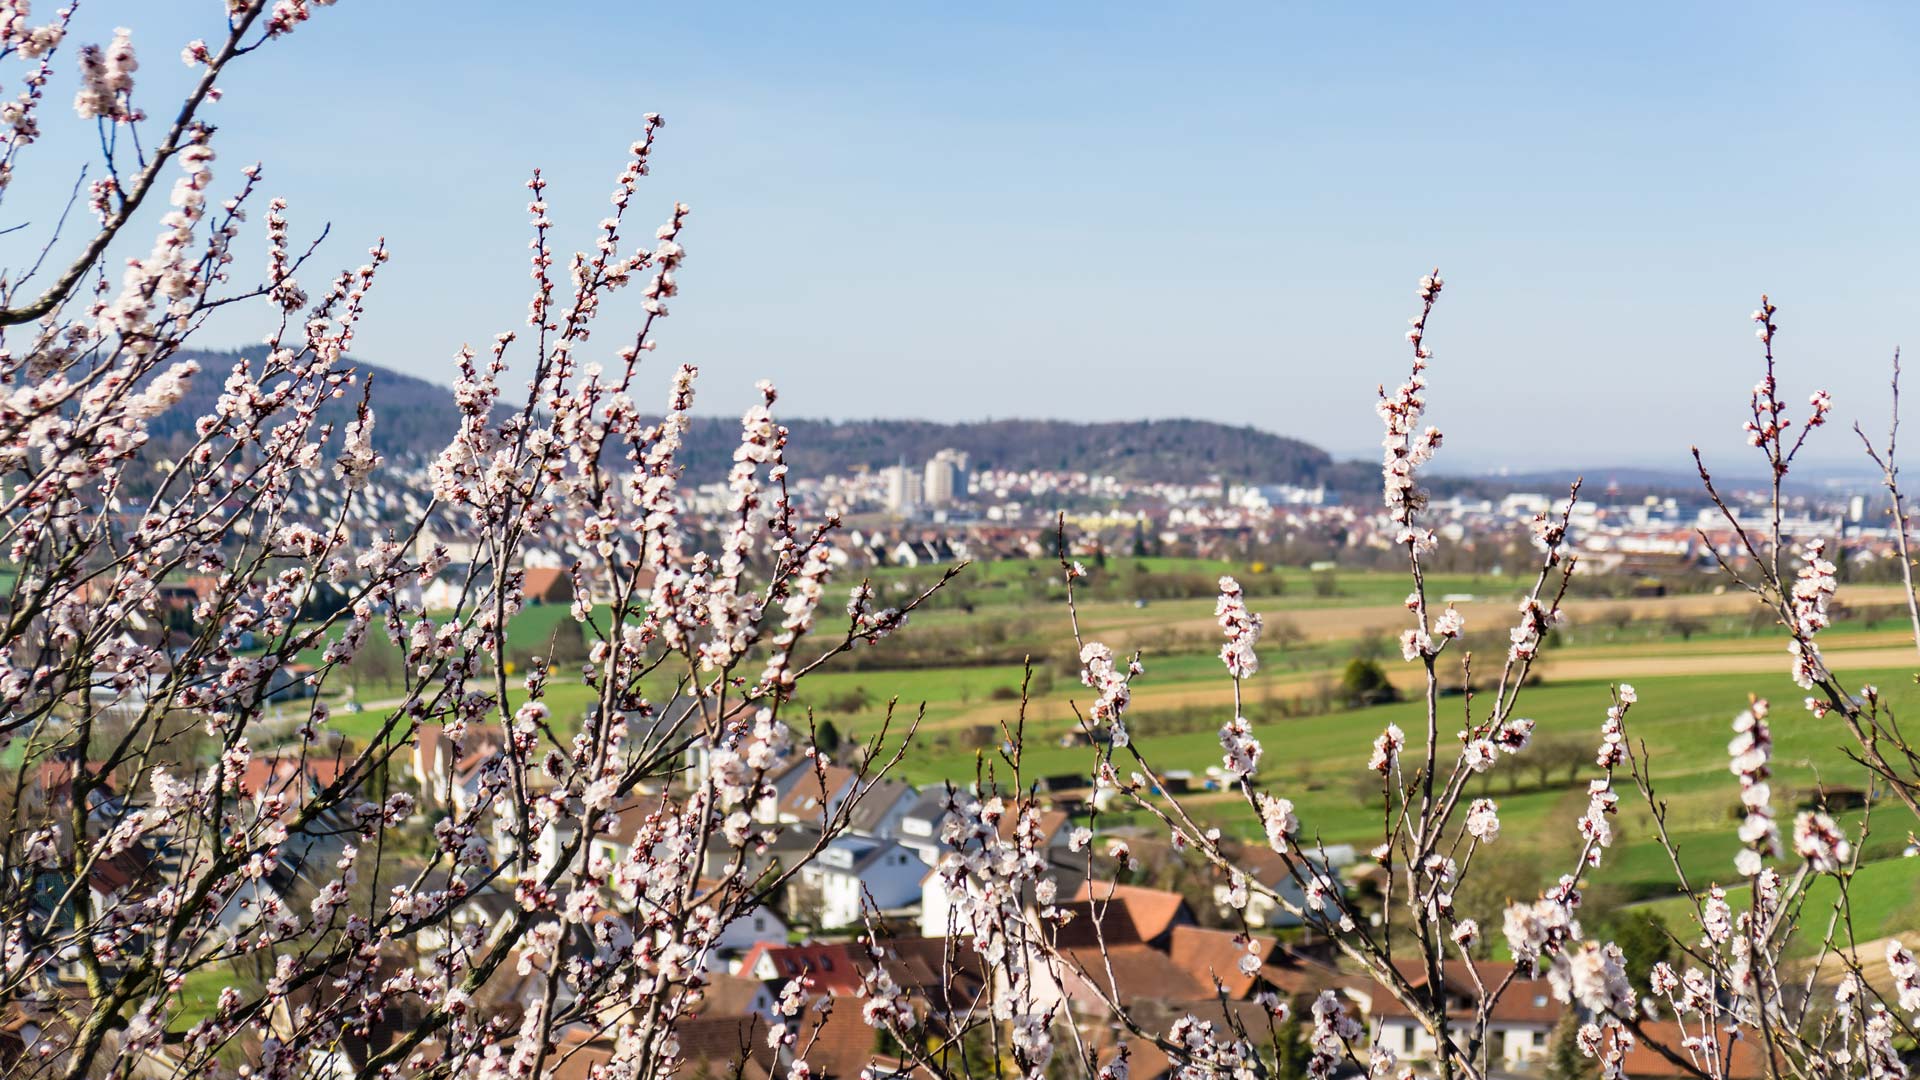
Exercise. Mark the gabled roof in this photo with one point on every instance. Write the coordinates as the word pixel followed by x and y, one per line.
pixel 859 852
pixel 837 967
pixel 277 774
pixel 1088 925
pixel 1051 822
pixel 709 1045
pixel 1741 1059
pixel 1526 1001
pixel 430 740
pixel 804 800
pixel 840 1045
pixel 1154 911
pixel 829 965
pixel 1208 955
pixel 54 777
pixel 729 995
pixel 1138 973
pixel 547 584
pixel 117 872
pixel 877 800
pixel 931 806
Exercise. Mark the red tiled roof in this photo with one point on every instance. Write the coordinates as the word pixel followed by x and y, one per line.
pixel 1742 1059
pixel 1208 955
pixel 276 773
pixel 55 777
pixel 1154 911
pixel 548 584
pixel 831 966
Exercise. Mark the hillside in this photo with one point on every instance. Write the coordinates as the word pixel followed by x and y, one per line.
pixel 417 418
pixel 1179 450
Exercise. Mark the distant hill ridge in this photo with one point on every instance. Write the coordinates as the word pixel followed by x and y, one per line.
pixel 416 419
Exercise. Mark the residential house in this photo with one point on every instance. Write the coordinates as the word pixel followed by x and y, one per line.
pixel 933 552
pixel 815 795
pixel 881 807
pixel 546 585
pixel 920 823
pixel 936 893
pixel 1104 956
pixel 431 764
pixel 917 965
pixel 1138 946
pixel 1153 913
pixel 831 891
pixel 306 857
pixel 710 1044
pixel 1519 1029
pixel 443 593
pixel 1321 867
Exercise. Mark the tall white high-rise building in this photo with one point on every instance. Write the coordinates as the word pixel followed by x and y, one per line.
pixel 946 478
pixel 904 492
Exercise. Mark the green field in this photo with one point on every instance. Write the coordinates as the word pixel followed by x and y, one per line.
pixel 1882 899
pixel 1315 751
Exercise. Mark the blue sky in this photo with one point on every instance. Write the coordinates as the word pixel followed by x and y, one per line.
pixel 1114 211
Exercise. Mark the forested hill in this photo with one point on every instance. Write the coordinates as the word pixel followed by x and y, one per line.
pixel 1178 450
pixel 416 419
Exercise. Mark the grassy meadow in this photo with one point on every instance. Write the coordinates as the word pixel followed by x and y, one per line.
pixel 1694 660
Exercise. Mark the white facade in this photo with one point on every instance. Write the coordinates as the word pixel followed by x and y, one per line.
pixel 903 488
pixel 945 478
pixel 836 884
pixel 1517 1044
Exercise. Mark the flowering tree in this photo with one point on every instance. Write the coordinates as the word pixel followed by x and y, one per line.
pixel 168 819
pixel 1728 995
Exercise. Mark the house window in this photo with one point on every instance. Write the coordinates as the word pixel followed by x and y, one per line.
pixel 1406 1040
pixel 1539 1040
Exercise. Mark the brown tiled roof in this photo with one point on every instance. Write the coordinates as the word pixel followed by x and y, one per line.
pixel 840 967
pixel 1292 974
pixel 1208 955
pixel 1154 911
pixel 1146 1061
pixel 1743 1059
pixel 629 817
pixel 955 963
pixel 1089 924
pixel 112 874
pixel 729 995
pixel 1137 973
pixel 719 1043
pixel 432 741
pixel 1050 822
pixel 55 777
pixel 837 1046
pixel 804 801
pixel 547 584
